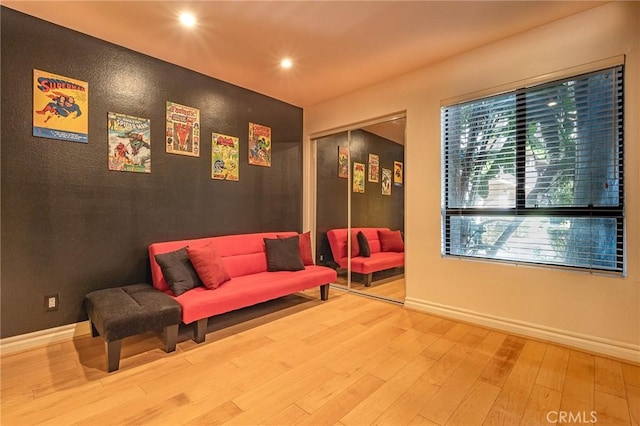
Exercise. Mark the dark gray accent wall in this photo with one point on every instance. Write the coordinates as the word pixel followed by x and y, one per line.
pixel 71 226
pixel 368 209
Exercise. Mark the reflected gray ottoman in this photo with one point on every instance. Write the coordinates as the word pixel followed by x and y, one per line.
pixel 116 313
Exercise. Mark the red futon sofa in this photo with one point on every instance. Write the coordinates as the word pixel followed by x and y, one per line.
pixel 244 261
pixel 384 254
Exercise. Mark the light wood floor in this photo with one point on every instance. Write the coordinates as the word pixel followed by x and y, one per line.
pixel 391 286
pixel 348 361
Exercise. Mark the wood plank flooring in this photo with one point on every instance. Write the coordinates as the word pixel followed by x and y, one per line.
pixel 348 361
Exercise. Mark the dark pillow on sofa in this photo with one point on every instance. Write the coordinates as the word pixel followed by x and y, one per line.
pixel 178 271
pixel 305 247
pixel 209 265
pixel 355 247
pixel 283 254
pixel 365 251
pixel 390 241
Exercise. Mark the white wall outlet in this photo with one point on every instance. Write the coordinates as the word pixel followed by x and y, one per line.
pixel 51 302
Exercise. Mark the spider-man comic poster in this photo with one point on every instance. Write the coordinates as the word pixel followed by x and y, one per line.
pixel 183 130
pixel 129 141
pixel 259 145
pixel 60 107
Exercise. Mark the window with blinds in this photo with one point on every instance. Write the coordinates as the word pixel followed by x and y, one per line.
pixel 536 175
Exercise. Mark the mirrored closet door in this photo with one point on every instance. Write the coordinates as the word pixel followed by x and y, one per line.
pixel 360 190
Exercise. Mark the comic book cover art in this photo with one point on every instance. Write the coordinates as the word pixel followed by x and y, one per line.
pixel 343 162
pixel 183 130
pixel 129 143
pixel 374 167
pixel 225 157
pixel 60 107
pixel 358 177
pixel 397 173
pixel 259 145
pixel 386 182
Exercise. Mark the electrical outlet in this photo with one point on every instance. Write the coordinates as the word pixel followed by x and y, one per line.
pixel 51 302
pixel 321 257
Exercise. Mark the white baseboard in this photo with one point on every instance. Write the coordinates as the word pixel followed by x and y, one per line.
pixel 23 342
pixel 619 350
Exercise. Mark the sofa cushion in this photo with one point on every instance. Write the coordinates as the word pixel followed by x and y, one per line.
pixel 283 254
pixel 178 271
pixel 391 241
pixel 377 262
pixel 248 290
pixel 364 245
pixel 209 265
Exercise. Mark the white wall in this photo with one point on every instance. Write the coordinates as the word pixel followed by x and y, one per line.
pixel 593 312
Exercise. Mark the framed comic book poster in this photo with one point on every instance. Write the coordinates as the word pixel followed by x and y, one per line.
pixel 60 107
pixel 225 157
pixel 386 182
pixel 129 140
pixel 398 173
pixel 374 167
pixel 259 145
pixel 343 162
pixel 358 177
pixel 183 130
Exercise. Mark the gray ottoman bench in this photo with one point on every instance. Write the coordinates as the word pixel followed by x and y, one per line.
pixel 116 313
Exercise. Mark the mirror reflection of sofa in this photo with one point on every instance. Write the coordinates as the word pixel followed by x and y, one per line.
pixel 372 250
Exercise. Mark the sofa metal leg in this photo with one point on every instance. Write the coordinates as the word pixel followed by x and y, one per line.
pixel 200 330
pixel 369 279
pixel 113 355
pixel 170 337
pixel 324 292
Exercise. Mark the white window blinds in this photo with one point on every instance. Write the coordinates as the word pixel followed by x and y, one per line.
pixel 536 175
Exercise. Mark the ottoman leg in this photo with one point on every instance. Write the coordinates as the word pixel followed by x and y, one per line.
pixel 113 355
pixel 170 337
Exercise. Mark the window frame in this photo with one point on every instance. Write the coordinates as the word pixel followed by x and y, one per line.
pixel 520 209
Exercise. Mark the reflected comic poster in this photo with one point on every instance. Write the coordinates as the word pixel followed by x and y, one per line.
pixel 60 107
pixel 259 145
pixel 225 156
pixel 343 162
pixel 129 143
pixel 358 177
pixel 398 173
pixel 374 167
pixel 386 182
pixel 183 130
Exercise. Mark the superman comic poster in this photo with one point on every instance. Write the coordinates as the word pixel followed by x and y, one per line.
pixel 60 107
pixel 225 164
pixel 129 143
pixel 183 130
pixel 259 145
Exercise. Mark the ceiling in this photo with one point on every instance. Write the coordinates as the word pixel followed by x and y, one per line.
pixel 336 46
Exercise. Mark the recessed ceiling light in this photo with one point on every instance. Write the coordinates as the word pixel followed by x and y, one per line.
pixel 187 19
pixel 286 63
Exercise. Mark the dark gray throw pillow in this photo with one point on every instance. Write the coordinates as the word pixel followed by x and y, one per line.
pixel 365 250
pixel 283 254
pixel 178 271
